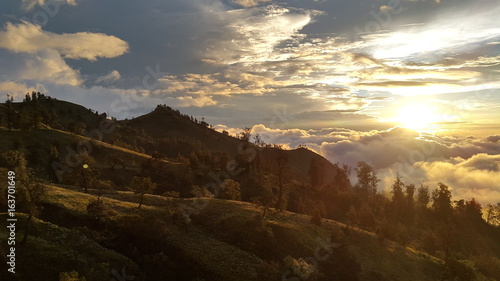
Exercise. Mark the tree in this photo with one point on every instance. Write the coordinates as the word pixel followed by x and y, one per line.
pixel 409 209
pixel 103 185
pixel 473 210
pixel 367 179
pixel 13 160
pixel 35 117
pixel 77 242
pixel 316 174
pixel 352 217
pixel 258 140
pixel 27 98
pixel 423 197
pixel 31 187
pixel 194 161
pixel 34 189
pixel 3 188
pixel 493 214
pixel 97 210
pixel 142 186
pixel 79 128
pixel 85 174
pixel 10 112
pixel 342 174
pixel 397 191
pixel 316 217
pixel 246 134
pixel 441 201
pixel 281 163
pixel 267 198
pixel 366 218
pixel 230 190
pixel 116 160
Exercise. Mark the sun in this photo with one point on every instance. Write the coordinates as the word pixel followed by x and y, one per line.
pixel 416 116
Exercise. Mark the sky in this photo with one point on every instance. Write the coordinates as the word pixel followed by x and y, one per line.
pixel 409 86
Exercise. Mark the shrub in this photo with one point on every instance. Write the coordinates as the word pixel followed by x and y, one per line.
pixel 230 190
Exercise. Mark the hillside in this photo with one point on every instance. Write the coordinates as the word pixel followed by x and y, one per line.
pixel 164 130
pixel 222 243
pixel 166 197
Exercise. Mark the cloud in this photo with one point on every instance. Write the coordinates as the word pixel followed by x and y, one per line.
pixel 476 177
pixel 251 35
pixel 418 158
pixel 30 38
pixel 228 83
pixel 30 4
pixel 44 66
pixel 250 3
pixel 189 101
pixel 455 34
pixel 495 138
pixel 113 76
pixel 385 8
pixel 17 89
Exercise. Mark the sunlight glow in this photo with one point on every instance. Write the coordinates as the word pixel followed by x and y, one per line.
pixel 417 116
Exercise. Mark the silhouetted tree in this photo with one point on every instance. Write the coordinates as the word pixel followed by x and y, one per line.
pixel 35 116
pixel 409 209
pixel 257 139
pixel 423 197
pixel 142 186
pixel 366 218
pixel 316 174
pixel 493 214
pixel 441 201
pixel 27 98
pixel 10 112
pixel 352 217
pixel 267 198
pixel 367 179
pixel 281 164
pixel 470 210
pixel 246 134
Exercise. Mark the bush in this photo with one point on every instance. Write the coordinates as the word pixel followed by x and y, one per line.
pixel 98 211
pixel 230 190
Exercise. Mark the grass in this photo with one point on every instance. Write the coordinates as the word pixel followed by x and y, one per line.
pixel 47 253
pixel 227 240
